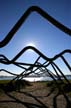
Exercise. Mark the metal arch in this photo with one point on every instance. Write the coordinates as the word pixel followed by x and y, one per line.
pixel 37 64
pixel 40 11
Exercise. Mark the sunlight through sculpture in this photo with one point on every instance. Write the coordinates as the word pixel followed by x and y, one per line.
pixel 37 68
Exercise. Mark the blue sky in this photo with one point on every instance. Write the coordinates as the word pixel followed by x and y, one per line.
pixel 46 37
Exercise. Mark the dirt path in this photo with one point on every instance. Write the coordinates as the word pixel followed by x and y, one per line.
pixel 35 96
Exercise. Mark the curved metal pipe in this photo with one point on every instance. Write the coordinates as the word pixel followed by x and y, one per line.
pixel 40 11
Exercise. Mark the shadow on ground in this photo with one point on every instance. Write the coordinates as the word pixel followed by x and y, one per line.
pixel 14 85
pixel 37 95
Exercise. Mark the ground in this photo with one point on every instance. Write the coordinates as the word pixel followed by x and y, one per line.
pixel 36 95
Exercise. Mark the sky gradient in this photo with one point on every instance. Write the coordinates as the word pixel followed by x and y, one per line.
pixel 46 37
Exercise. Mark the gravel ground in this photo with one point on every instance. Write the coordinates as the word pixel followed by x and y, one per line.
pixel 35 96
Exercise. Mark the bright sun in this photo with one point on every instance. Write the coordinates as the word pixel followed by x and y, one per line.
pixel 31 44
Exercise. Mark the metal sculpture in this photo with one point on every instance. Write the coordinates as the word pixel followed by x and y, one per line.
pixel 37 68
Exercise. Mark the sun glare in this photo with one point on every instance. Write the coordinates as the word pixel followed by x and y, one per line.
pixel 31 44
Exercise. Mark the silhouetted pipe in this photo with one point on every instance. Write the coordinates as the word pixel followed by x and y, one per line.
pixel 58 76
pixel 61 72
pixel 67 64
pixel 27 48
pixel 8 72
pixel 36 51
pixel 5 60
pixel 24 17
pixel 39 53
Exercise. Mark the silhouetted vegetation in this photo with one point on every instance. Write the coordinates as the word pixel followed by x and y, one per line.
pixel 63 87
pixel 9 86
